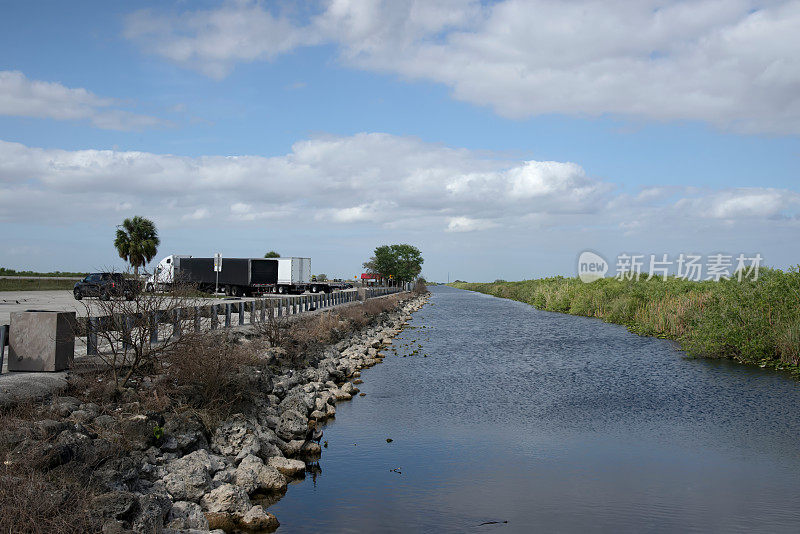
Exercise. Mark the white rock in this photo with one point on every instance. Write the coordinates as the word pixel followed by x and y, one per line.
pixel 188 478
pixel 252 475
pixel 258 519
pixel 226 498
pixel 286 466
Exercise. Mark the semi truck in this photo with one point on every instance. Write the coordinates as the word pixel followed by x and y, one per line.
pixel 238 276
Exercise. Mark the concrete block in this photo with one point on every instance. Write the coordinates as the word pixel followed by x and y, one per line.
pixel 41 340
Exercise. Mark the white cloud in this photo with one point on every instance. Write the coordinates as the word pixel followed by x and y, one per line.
pixel 23 97
pixel 466 224
pixel 382 180
pixel 212 41
pixel 732 63
pixel 743 203
pixel 197 215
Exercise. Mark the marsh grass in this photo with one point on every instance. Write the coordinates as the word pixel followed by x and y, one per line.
pixel 756 322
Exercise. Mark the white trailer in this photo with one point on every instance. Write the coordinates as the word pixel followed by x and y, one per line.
pixel 294 275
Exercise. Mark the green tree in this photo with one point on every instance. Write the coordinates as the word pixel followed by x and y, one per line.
pixel 137 242
pixel 402 262
pixel 272 254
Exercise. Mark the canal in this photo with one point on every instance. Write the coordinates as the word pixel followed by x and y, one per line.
pixel 504 418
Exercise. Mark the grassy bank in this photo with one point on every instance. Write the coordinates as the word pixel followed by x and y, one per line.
pixel 34 284
pixel 755 322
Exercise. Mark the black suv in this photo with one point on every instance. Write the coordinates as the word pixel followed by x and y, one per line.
pixel 105 286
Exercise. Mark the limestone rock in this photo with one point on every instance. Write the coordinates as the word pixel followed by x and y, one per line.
pixel 286 466
pixel 258 519
pixel 252 475
pixel 226 498
pixel 293 425
pixel 186 515
pixel 189 477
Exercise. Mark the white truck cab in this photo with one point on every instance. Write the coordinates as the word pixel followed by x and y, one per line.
pixel 164 274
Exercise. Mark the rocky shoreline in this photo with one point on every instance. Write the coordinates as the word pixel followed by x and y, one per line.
pixel 178 475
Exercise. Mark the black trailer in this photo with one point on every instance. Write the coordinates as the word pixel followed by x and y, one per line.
pixel 239 276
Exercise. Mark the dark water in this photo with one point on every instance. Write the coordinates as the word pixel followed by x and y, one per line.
pixel 552 423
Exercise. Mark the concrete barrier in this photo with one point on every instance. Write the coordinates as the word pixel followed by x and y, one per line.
pixel 41 340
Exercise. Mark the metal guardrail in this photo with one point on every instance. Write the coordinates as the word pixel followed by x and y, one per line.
pixel 257 309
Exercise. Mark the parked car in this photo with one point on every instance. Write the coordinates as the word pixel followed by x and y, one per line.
pixel 105 286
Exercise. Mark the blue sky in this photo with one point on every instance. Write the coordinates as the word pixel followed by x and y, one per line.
pixel 502 138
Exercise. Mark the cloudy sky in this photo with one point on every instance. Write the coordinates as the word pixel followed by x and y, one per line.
pixel 502 138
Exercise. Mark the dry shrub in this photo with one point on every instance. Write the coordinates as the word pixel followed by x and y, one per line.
pixel 420 287
pixel 37 502
pixel 34 498
pixel 318 329
pixel 354 316
pixel 207 373
pixel 274 329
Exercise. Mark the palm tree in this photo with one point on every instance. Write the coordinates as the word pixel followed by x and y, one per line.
pixel 137 242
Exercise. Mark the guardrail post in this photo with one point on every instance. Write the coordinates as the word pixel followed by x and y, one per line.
pixel 91 336
pixel 263 309
pixel 176 323
pixel 214 317
pixel 3 341
pixel 197 318
pixel 227 315
pixel 156 318
pixel 241 313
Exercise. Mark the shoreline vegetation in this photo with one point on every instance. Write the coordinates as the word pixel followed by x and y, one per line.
pixel 203 436
pixel 751 322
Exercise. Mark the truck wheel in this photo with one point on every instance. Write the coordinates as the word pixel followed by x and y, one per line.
pixel 105 296
pixel 149 288
pixel 282 290
pixel 77 294
pixel 236 291
pixel 228 290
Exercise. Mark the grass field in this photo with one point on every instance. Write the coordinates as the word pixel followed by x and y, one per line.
pixel 34 284
pixel 755 322
pixel 13 272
